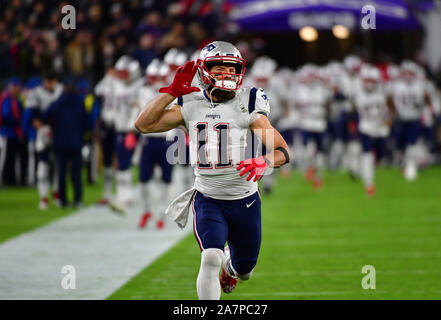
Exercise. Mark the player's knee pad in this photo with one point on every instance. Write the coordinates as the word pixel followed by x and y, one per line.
pixel 212 258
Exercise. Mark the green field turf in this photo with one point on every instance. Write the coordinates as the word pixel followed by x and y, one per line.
pixel 19 210
pixel 315 244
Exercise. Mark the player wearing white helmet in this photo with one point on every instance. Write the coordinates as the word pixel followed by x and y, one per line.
pixel 374 112
pixel 282 83
pixel 38 101
pixel 340 106
pixel 261 75
pixel 352 66
pixel 153 147
pixel 124 95
pixel 225 201
pixel 410 97
pixel 174 58
pixel 312 99
pixel 105 89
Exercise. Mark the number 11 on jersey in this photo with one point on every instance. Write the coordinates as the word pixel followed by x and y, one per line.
pixel 223 150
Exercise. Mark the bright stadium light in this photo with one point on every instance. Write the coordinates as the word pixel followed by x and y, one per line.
pixel 308 34
pixel 340 31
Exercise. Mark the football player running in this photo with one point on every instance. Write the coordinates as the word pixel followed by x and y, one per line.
pixel 126 111
pixel 409 96
pixel 225 200
pixel 262 75
pixel 105 89
pixel 312 99
pixel 375 112
pixel 153 148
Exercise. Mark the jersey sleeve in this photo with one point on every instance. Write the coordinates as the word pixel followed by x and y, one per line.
pixel 103 86
pixel 32 99
pixel 258 104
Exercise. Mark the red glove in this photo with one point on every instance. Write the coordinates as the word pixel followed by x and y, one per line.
pixel 130 141
pixel 256 167
pixel 181 84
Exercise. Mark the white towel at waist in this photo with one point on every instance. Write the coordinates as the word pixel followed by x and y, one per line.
pixel 179 208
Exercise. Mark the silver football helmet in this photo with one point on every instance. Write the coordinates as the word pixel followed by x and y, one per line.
pixel 134 70
pixel 156 73
pixel 370 77
pixel 175 58
pixel 220 53
pixel 123 63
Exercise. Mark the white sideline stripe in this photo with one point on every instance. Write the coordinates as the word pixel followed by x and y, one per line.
pixel 345 273
pixel 331 293
pixel 106 249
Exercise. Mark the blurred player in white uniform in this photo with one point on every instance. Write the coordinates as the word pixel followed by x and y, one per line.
pixel 125 94
pixel 282 84
pixel 312 98
pixel 370 100
pixel 106 126
pixel 431 113
pixel 183 172
pixel 410 97
pixel 153 149
pixel 225 200
pixel 38 100
pixel 340 107
pixel 262 75
pixel 174 58
pixel 350 79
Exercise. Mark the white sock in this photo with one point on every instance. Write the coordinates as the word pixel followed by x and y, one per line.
pixel 335 154
pixel 145 197
pixel 124 186
pixel 43 179
pixel 207 283
pixel 164 201
pixel 411 162
pixel 310 154
pixel 353 151
pixel 367 168
pixel 31 163
pixel 228 267
pixel 108 182
pixel 319 164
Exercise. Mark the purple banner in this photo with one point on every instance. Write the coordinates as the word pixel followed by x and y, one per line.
pixel 285 15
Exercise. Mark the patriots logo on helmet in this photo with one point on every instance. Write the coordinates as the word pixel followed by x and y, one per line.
pixel 224 53
pixel 209 47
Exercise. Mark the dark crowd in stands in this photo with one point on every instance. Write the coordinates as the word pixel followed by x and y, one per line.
pixel 32 39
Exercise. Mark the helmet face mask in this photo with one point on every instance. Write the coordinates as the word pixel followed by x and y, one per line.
pixel 220 53
pixel 370 84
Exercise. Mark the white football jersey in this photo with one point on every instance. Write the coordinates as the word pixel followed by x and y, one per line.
pixel 282 83
pixel 218 139
pixel 273 95
pixel 311 102
pixel 373 112
pixel 126 111
pixel 408 98
pixel 345 86
pixel 105 89
pixel 40 98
